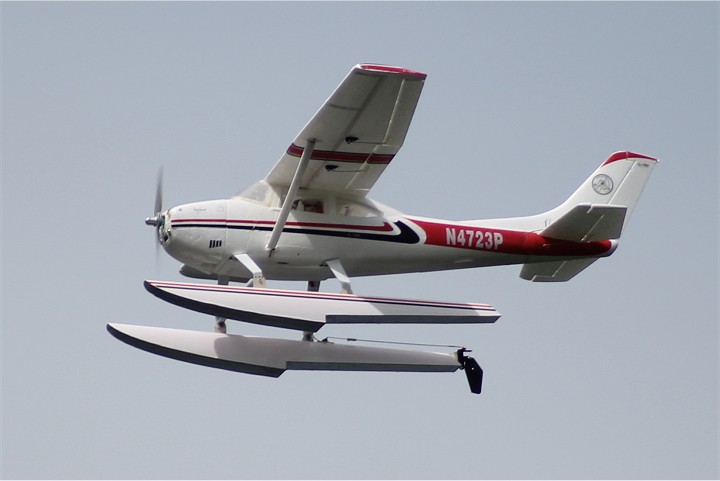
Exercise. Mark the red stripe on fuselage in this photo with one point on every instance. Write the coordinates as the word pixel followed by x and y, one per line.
pixel 318 225
pixel 505 241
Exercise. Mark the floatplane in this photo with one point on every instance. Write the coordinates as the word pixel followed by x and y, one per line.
pixel 310 219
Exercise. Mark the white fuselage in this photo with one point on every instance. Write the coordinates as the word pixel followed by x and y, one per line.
pixel 365 236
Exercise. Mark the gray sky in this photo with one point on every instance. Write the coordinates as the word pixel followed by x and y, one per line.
pixel 612 375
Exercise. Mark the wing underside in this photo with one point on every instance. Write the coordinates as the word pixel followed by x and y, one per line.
pixel 356 132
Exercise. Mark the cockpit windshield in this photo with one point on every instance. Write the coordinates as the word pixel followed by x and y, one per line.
pixel 260 192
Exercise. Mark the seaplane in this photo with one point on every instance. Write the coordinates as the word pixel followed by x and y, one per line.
pixel 310 219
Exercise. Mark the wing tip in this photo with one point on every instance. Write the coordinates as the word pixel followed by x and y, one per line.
pixel 391 69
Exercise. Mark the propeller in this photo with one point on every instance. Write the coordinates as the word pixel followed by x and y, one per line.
pixel 157 220
pixel 472 369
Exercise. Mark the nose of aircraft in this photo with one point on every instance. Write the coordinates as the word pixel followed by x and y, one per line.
pixel 160 222
pixel 159 219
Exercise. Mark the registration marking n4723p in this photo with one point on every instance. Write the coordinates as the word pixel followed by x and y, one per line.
pixel 473 238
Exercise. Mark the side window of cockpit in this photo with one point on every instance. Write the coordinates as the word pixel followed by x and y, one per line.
pixel 309 205
pixel 355 209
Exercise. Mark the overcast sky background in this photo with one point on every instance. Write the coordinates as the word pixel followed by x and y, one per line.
pixel 612 375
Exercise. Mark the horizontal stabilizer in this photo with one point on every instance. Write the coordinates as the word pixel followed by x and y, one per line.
pixel 559 271
pixel 309 311
pixel 271 357
pixel 588 222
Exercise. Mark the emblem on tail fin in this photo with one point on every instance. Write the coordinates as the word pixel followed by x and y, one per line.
pixel 602 184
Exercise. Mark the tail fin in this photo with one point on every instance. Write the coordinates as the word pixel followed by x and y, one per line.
pixel 618 182
pixel 598 210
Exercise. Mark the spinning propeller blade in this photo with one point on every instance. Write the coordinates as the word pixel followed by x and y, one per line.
pixel 159 191
pixel 157 219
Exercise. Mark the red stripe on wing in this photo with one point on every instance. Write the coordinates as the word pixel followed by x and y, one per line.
pixel 335 156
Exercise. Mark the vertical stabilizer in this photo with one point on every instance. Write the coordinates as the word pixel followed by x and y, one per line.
pixel 619 181
pixel 597 211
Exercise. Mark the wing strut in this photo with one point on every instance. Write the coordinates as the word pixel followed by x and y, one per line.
pixel 290 197
pixel 340 274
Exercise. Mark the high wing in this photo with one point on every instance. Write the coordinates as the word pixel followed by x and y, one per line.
pixel 356 132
